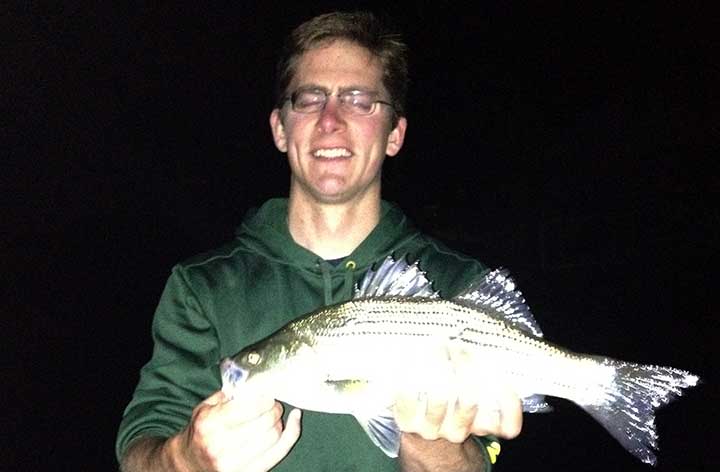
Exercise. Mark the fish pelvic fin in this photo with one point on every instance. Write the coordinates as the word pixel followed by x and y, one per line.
pixel 638 391
pixel 383 432
pixel 395 278
pixel 496 294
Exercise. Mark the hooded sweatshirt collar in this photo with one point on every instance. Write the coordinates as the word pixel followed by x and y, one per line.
pixel 265 231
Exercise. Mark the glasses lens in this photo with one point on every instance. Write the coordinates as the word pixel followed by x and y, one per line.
pixel 308 101
pixel 356 102
pixel 360 103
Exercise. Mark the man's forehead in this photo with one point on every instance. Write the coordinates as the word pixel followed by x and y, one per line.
pixel 339 65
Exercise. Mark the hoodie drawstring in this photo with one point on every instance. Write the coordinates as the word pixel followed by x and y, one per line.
pixel 348 287
pixel 327 282
pixel 346 291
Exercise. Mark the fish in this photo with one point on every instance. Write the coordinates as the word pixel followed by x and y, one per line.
pixel 355 357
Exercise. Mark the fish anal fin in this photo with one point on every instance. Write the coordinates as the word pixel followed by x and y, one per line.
pixel 536 404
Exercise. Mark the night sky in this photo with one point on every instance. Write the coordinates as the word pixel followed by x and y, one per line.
pixel 574 145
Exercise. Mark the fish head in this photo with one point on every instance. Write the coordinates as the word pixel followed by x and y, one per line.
pixel 264 364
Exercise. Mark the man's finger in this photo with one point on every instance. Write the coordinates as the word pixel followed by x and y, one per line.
pixel 511 416
pixel 500 416
pixel 407 410
pixel 215 399
pixel 487 421
pixel 282 447
pixel 459 421
pixel 431 422
pixel 243 409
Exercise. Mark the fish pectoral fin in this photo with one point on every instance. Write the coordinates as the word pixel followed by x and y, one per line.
pixel 383 431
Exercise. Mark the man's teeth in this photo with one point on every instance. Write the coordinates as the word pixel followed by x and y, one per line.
pixel 334 152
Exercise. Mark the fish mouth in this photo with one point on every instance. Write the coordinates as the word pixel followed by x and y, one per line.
pixel 332 153
pixel 232 374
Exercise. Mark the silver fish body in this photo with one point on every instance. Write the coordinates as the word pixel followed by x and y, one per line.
pixel 355 357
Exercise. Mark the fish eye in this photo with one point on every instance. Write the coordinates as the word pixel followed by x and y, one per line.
pixel 253 358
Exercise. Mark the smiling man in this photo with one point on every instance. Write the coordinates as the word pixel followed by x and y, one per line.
pixel 342 81
pixel 336 127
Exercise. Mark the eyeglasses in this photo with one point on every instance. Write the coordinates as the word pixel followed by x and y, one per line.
pixel 354 102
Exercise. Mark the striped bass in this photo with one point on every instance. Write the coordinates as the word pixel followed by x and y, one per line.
pixel 355 357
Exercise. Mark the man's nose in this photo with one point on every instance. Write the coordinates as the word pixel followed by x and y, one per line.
pixel 331 118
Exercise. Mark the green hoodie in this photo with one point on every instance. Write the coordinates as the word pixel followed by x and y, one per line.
pixel 219 302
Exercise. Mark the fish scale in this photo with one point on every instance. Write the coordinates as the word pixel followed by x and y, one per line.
pixel 397 333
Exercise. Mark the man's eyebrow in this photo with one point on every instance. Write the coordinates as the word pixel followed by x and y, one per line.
pixel 345 89
pixel 313 87
pixel 357 88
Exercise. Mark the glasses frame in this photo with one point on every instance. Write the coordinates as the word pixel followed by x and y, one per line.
pixel 339 94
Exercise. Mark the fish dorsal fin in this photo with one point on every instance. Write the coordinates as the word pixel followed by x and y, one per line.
pixel 497 292
pixel 395 279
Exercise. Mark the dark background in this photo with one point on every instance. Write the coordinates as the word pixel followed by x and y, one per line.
pixel 574 144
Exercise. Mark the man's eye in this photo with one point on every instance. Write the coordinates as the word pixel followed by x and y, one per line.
pixel 360 101
pixel 308 99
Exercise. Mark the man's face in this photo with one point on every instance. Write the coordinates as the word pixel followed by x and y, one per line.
pixel 335 156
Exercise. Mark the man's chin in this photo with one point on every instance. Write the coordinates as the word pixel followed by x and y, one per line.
pixel 333 192
pixel 329 193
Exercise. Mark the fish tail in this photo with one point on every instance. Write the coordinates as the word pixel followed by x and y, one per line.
pixel 629 404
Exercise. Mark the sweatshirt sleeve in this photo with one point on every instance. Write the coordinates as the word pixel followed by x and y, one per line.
pixel 183 369
pixel 490 448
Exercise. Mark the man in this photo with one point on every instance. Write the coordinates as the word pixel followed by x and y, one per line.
pixel 340 111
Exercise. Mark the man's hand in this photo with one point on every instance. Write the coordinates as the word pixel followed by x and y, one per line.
pixel 433 416
pixel 245 434
pixel 459 401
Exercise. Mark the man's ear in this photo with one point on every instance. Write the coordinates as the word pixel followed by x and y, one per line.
pixel 278 130
pixel 396 137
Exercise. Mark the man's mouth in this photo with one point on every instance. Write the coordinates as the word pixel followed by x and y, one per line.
pixel 331 153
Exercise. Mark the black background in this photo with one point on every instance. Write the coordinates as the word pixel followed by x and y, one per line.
pixel 573 144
